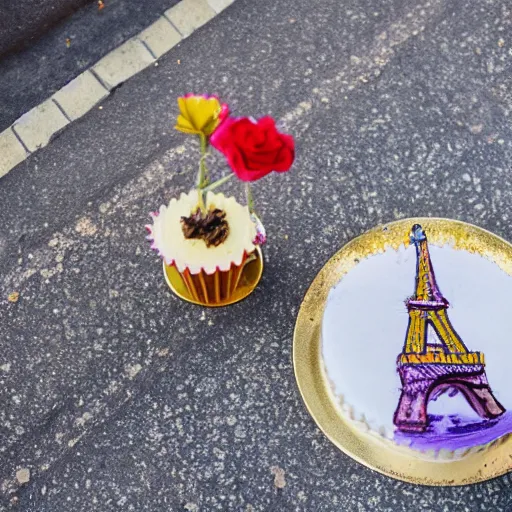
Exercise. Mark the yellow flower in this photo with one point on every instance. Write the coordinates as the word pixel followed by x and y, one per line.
pixel 200 114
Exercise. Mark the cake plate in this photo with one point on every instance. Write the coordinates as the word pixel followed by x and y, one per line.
pixel 369 450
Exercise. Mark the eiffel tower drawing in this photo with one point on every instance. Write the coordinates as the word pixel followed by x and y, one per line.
pixel 429 369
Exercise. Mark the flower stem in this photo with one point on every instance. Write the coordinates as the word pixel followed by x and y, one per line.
pixel 218 183
pixel 202 175
pixel 202 161
pixel 248 195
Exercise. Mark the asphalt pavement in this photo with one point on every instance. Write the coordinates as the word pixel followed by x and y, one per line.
pixel 21 22
pixel 114 394
pixel 43 65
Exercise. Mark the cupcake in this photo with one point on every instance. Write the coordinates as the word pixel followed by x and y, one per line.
pixel 206 238
pixel 208 249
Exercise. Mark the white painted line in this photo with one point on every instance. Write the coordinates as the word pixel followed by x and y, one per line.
pixel 219 5
pixel 160 37
pixel 189 15
pixel 80 95
pixel 11 151
pixel 36 127
pixel 122 63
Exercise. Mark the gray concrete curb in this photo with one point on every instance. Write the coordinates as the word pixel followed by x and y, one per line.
pixel 35 129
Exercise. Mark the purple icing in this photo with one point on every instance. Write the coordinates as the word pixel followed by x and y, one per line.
pixel 454 432
pixel 422 383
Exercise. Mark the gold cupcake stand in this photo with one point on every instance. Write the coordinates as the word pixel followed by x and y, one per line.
pixel 223 290
pixel 373 452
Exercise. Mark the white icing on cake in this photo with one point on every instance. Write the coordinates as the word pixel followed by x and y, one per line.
pixel 365 322
pixel 168 238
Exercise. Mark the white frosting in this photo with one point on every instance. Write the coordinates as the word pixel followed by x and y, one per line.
pixel 365 323
pixel 193 254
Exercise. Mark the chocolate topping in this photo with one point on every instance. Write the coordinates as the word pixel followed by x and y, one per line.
pixel 211 226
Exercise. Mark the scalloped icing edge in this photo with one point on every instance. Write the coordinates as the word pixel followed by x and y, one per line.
pixel 347 411
pixel 257 235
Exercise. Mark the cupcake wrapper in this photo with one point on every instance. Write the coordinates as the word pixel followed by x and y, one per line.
pixel 214 288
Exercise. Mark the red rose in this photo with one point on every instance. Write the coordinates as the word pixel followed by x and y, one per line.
pixel 254 148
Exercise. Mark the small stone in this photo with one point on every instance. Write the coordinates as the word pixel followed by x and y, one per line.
pixel 501 43
pixel 13 297
pixel 133 370
pixel 72 442
pixel 23 475
pixel 239 432
pixel 279 480
pixel 85 227
pixel 82 420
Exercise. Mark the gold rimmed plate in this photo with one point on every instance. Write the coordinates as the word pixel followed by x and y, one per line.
pixel 369 450
pixel 249 279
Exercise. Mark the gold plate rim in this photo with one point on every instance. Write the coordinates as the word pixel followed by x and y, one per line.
pixel 369 450
pixel 240 293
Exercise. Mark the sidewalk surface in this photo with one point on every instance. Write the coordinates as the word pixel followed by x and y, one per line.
pixel 115 395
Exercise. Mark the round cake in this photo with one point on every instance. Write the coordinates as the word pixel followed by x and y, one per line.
pixel 418 358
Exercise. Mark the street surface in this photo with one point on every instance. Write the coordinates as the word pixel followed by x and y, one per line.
pixel 115 395
pixel 21 22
